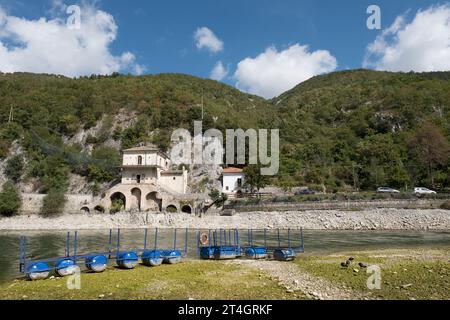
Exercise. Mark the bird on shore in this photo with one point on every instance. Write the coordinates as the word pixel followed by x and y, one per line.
pixel 351 259
pixel 363 265
pixel 346 264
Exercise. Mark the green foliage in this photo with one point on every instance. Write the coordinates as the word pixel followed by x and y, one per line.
pixel 53 203
pixel 350 130
pixel 117 205
pixel 14 168
pixel 254 179
pixel 10 200
pixel 105 164
pixel 218 198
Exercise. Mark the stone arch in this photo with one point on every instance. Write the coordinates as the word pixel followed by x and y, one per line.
pixel 99 209
pixel 118 202
pixel 172 208
pixel 85 210
pixel 136 197
pixel 186 209
pixel 153 202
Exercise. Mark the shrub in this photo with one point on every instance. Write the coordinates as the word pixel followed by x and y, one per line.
pixel 10 200
pixel 14 168
pixel 53 203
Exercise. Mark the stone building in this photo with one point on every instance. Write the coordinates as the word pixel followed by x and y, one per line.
pixel 149 184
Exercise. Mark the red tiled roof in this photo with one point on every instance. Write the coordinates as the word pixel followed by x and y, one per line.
pixel 233 170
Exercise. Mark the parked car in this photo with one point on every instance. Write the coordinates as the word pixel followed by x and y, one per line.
pixel 387 190
pixel 423 191
pixel 305 191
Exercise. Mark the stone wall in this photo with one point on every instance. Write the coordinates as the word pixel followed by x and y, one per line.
pixel 32 202
pixel 339 205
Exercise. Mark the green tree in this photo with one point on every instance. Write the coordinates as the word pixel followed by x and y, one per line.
pixel 430 148
pixel 254 179
pixel 104 166
pixel 10 200
pixel 53 203
pixel 218 198
pixel 14 168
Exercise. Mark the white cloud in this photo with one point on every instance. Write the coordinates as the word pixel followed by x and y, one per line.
pixel 272 72
pixel 219 72
pixel 49 46
pixel 206 39
pixel 421 45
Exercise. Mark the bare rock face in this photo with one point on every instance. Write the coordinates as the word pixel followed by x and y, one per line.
pixel 204 179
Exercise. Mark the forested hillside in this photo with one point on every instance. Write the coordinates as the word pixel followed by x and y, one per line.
pixel 343 131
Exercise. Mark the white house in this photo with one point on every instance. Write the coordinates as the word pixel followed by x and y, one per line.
pixel 233 181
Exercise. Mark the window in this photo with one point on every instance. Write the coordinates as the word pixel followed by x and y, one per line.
pixel 239 183
pixel 140 161
pixel 227 188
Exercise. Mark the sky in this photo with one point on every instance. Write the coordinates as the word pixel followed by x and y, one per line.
pixel 258 46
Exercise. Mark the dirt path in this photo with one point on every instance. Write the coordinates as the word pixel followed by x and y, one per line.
pixel 294 279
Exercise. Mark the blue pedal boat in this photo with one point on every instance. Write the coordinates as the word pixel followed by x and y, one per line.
pixel 152 258
pixel 127 260
pixel 284 254
pixel 66 267
pixel 256 253
pixel 96 263
pixel 38 271
pixel 171 256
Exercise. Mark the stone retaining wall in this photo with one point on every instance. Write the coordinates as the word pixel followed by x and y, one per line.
pixel 339 205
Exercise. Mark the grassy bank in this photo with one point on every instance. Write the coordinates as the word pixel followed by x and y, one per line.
pixel 189 280
pixel 405 274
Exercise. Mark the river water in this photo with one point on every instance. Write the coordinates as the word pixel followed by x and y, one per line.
pixel 45 245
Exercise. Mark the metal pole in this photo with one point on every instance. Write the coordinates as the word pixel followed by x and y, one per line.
pixel 68 245
pixel 251 237
pixel 118 242
pixel 75 245
pixel 279 240
pixel 21 255
pixel 145 239
pixel 229 237
pixel 156 238
pixel 25 254
pixel 110 244
pixel 265 238
pixel 175 240
pixel 289 238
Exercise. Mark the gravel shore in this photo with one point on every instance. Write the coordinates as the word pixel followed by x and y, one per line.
pixel 371 219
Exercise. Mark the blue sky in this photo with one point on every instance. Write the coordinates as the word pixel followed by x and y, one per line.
pixel 160 34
